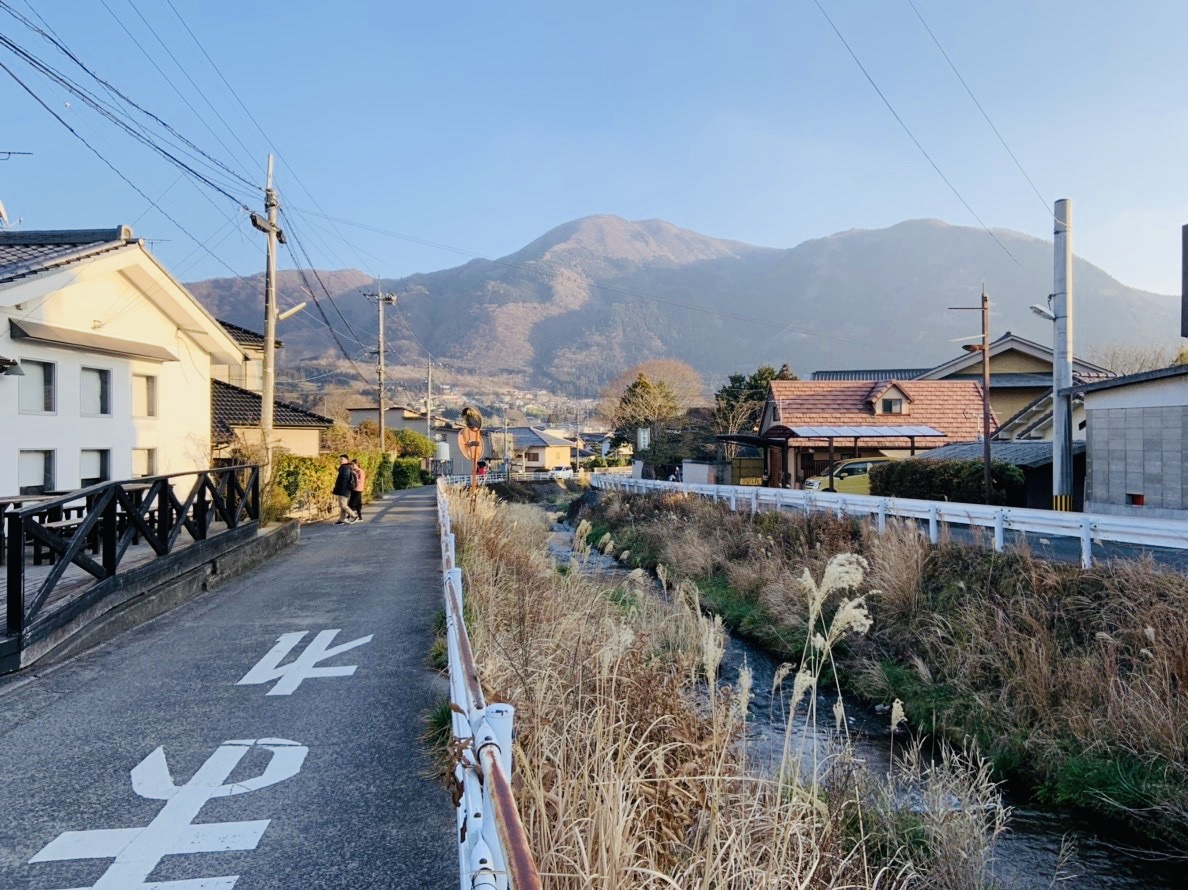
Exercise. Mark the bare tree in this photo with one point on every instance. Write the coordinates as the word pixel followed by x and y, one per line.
pixel 679 378
pixel 1132 358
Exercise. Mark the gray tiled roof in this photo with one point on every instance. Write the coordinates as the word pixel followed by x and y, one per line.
pixel 27 253
pixel 1021 454
pixel 243 336
pixel 875 374
pixel 232 406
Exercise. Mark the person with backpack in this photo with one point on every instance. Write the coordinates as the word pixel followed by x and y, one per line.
pixel 344 486
pixel 359 478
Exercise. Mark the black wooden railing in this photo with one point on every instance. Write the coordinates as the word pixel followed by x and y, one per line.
pixel 108 518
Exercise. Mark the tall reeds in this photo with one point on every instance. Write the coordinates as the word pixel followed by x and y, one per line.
pixel 628 757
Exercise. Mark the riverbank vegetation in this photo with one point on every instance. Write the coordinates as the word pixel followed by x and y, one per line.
pixel 1074 682
pixel 631 762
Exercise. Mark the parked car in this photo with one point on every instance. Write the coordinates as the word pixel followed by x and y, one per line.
pixel 561 472
pixel 850 476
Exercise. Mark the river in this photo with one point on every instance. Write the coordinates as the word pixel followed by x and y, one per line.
pixel 1041 849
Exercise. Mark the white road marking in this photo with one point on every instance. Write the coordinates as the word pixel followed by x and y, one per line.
pixel 304 667
pixel 137 851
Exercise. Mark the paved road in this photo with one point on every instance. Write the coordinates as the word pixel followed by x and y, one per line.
pixel 323 787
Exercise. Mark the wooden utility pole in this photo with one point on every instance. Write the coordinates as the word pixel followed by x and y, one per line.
pixel 268 397
pixel 984 349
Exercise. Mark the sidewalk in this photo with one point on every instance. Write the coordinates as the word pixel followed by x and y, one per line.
pixel 279 764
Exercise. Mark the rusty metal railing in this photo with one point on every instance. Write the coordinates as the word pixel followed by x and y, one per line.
pixel 493 848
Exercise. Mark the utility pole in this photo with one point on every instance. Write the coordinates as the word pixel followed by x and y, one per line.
pixel 381 300
pixel 1062 353
pixel 268 397
pixel 429 401
pixel 984 349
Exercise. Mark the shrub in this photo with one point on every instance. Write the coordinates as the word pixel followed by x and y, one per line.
pixel 947 480
pixel 406 473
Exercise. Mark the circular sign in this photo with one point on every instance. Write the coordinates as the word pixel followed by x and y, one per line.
pixel 470 443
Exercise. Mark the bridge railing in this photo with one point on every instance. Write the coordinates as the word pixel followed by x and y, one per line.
pixel 493 848
pixel 1085 527
pixel 492 478
pixel 108 518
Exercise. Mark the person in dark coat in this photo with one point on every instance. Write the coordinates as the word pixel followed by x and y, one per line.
pixel 344 485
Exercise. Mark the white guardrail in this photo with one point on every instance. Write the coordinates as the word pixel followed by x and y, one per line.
pixel 492 846
pixel 1088 528
pixel 492 478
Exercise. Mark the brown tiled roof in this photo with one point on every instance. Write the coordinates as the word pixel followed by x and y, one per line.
pixel 954 407
pixel 232 406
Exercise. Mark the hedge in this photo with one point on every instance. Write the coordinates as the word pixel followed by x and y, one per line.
pixel 947 480
pixel 406 472
pixel 309 481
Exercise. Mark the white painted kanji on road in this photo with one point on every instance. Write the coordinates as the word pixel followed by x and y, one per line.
pixel 304 666
pixel 137 851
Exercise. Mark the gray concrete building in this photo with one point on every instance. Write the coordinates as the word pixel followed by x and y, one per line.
pixel 1136 430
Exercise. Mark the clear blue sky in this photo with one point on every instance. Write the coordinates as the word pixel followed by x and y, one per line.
pixel 480 126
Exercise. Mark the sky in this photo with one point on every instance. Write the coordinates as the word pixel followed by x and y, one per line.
pixel 433 133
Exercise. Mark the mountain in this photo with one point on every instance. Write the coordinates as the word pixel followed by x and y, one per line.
pixel 594 296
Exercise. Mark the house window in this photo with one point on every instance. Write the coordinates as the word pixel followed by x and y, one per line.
pixel 95 390
pixel 892 406
pixel 37 388
pixel 144 462
pixel 532 457
pixel 35 472
pixel 94 466
pixel 144 396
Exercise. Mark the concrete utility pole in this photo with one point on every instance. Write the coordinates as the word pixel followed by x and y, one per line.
pixel 268 397
pixel 429 401
pixel 1062 356
pixel 381 300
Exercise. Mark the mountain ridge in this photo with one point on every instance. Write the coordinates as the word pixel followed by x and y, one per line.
pixel 595 295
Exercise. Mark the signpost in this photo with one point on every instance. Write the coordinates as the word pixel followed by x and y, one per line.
pixel 470 443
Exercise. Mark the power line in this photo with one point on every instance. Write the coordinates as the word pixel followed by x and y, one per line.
pixel 161 71
pixel 112 166
pixel 1043 200
pixel 114 116
pixel 911 135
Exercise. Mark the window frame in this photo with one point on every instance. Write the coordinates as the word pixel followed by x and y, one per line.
pixel 892 406
pixel 150 462
pixel 104 466
pixel 105 393
pixel 49 387
pixel 48 471
pixel 151 391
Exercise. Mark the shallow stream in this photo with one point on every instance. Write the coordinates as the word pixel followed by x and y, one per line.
pixel 1041 848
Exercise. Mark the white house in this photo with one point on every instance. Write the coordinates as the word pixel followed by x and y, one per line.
pixel 105 362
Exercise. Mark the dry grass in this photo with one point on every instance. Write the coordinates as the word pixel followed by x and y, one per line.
pixel 628 764
pixel 1076 680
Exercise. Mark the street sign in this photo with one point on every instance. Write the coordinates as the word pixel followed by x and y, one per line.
pixel 470 443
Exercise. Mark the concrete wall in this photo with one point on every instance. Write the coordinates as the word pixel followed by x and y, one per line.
pixel 1136 446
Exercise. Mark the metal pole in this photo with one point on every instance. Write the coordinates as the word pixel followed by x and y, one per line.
pixel 1062 309
pixel 429 401
pixel 268 397
pixel 987 475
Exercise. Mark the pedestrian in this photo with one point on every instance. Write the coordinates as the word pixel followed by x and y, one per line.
pixel 360 477
pixel 343 487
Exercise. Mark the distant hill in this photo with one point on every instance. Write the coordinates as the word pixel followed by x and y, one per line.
pixel 594 296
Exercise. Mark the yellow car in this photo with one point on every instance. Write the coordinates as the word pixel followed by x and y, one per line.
pixel 849 476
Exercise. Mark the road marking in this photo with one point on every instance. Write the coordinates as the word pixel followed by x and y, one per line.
pixel 292 675
pixel 137 851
